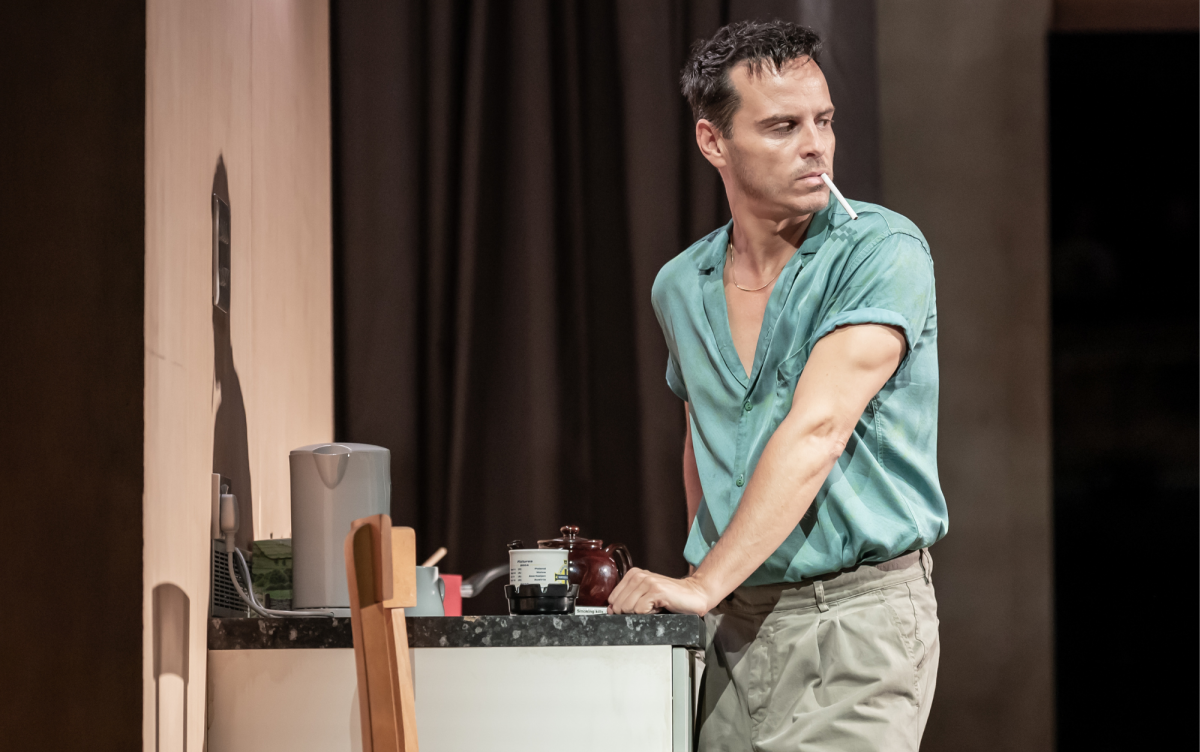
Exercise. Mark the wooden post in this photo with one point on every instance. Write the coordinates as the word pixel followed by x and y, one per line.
pixel 381 585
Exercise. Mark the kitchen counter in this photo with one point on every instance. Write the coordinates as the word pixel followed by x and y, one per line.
pixel 610 682
pixel 676 630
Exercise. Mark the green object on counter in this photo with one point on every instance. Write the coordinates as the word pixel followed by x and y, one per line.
pixel 271 568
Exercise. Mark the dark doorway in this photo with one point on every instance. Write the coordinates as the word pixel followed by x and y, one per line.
pixel 1125 247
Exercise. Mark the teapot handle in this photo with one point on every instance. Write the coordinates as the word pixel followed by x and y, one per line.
pixel 621 555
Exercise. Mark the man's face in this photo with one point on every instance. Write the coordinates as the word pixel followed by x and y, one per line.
pixel 782 138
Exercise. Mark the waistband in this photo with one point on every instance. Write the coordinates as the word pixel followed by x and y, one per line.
pixel 818 592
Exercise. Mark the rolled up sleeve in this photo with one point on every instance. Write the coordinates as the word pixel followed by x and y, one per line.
pixel 890 283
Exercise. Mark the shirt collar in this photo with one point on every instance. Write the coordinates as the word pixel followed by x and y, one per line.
pixel 709 255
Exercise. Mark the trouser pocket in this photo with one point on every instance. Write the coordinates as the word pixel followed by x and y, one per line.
pixel 897 601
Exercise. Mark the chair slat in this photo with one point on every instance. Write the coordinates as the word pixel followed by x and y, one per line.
pixel 385 689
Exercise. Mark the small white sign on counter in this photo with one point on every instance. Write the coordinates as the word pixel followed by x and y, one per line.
pixel 590 610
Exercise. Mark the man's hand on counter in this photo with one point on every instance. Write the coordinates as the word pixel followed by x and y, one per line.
pixel 642 592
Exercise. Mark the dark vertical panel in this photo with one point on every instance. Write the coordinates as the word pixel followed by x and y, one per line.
pixel 849 63
pixel 614 484
pixel 1126 259
pixel 374 54
pixel 71 302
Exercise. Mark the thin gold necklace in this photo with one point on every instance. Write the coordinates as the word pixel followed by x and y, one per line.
pixel 733 274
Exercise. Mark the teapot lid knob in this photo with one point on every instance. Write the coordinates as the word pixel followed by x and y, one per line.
pixel 569 531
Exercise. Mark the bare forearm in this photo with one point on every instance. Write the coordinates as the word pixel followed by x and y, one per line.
pixel 845 369
pixel 789 474
pixel 787 478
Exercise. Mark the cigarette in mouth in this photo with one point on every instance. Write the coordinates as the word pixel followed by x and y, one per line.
pixel 838 195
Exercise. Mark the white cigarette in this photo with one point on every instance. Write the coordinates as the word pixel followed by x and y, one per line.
pixel 838 195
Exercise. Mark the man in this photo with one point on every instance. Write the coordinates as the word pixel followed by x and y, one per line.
pixel 804 345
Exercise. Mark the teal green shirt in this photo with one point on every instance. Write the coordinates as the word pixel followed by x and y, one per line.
pixel 882 498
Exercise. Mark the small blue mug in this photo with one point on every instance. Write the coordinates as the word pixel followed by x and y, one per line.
pixel 431 591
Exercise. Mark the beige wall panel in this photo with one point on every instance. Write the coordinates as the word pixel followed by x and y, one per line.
pixel 962 94
pixel 197 106
pixel 290 342
pixel 203 95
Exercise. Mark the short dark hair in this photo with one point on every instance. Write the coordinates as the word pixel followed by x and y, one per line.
pixel 705 78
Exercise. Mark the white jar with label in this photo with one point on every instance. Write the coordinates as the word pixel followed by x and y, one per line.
pixel 537 566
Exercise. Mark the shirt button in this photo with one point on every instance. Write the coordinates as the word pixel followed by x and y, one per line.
pixel 748 406
pixel 741 481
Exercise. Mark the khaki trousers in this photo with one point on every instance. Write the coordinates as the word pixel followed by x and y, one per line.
pixel 844 662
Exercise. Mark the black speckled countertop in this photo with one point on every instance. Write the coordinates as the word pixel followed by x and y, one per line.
pixel 680 630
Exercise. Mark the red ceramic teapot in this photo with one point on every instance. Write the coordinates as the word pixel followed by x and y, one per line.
pixel 591 566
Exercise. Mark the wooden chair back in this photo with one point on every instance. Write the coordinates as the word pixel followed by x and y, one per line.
pixel 381 574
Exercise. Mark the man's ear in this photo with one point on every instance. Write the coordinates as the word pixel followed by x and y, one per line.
pixel 711 143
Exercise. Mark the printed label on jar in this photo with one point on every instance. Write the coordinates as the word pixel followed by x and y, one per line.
pixel 537 567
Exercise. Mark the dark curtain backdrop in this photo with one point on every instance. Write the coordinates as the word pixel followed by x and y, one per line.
pixel 509 178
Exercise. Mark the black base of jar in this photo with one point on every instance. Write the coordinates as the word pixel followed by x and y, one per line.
pixel 532 600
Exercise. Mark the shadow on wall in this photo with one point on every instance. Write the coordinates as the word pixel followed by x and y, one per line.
pixel 231 452
pixel 171 609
